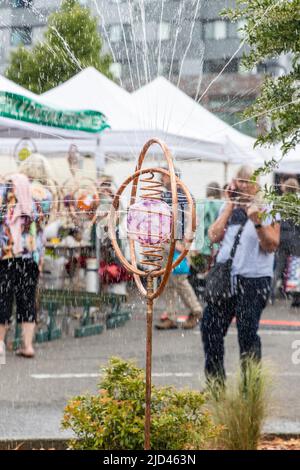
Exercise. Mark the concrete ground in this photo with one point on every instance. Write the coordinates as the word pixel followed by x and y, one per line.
pixel 34 392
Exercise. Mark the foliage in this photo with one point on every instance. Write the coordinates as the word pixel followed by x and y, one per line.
pixel 241 408
pixel 287 205
pixel 272 28
pixel 114 419
pixel 71 43
pixel 268 167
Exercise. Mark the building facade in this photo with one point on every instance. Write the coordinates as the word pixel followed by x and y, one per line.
pixel 187 41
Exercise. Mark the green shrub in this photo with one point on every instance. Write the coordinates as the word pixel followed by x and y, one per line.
pixel 241 408
pixel 114 419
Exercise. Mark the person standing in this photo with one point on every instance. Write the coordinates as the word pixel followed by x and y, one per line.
pixel 178 284
pixel 240 227
pixel 19 260
pixel 43 192
pixel 289 240
pixel 212 207
pixel 201 259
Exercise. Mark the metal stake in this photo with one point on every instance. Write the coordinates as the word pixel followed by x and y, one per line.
pixel 148 361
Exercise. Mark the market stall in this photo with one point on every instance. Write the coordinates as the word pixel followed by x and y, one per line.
pixel 70 269
pixel 30 121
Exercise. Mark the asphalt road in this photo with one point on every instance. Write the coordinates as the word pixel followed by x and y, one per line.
pixel 34 392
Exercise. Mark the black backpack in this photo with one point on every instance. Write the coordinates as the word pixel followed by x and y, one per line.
pixel 218 281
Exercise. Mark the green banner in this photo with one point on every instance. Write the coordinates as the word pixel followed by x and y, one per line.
pixel 21 108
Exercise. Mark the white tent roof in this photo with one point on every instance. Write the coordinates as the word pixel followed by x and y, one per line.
pixel 163 106
pixel 129 131
pixel 290 162
pixel 11 87
pixel 90 89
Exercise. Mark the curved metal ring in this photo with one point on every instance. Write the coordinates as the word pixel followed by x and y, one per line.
pixel 132 267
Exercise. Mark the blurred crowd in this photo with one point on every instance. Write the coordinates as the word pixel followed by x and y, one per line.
pixel 52 235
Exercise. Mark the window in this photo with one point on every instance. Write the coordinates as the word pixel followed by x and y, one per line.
pixel 165 68
pixel 21 35
pixel 215 66
pixel 3 45
pixel 127 32
pixel 115 33
pixel 21 3
pixel 232 30
pixel 215 30
pixel 118 31
pixel 209 30
pixel 175 67
pixel 220 30
pixel 164 31
pixel 240 26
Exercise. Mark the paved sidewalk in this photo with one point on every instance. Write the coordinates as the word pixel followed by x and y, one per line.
pixel 33 393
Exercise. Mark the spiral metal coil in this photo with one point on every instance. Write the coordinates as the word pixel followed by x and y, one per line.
pixel 152 255
pixel 154 187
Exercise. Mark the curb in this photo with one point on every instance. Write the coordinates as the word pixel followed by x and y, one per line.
pixel 283 325
pixel 34 444
pixel 62 444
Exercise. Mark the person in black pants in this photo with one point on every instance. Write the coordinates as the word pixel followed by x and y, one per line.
pixel 251 273
pixel 246 306
pixel 19 260
pixel 289 242
pixel 18 278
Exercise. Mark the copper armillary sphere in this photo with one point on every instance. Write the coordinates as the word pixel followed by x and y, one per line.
pixel 152 224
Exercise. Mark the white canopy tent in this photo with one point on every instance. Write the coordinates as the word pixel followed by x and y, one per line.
pixel 165 107
pixel 198 140
pixel 158 109
pixel 93 91
pixel 89 89
pixel 47 138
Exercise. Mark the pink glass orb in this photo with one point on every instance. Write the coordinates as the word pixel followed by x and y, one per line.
pixel 149 221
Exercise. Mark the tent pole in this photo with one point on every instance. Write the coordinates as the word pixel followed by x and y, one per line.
pixel 225 172
pixel 100 158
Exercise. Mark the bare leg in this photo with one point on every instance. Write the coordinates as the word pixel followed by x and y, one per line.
pixel 3 330
pixel 27 334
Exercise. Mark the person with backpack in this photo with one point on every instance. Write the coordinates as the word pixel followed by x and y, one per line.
pixel 289 247
pixel 239 283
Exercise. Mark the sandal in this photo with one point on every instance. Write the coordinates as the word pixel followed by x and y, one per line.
pixel 21 353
